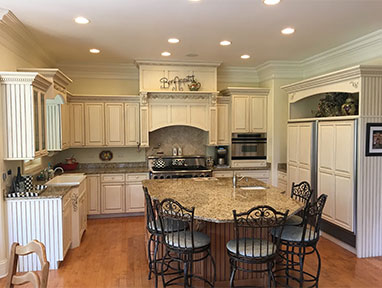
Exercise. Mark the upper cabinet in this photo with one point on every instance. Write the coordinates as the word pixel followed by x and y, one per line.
pixel 115 124
pixel 131 124
pixel 249 109
pixel 223 121
pixel 56 116
pixel 94 124
pixel 24 110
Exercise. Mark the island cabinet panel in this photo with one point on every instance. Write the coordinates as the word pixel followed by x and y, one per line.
pixel 94 124
pixel 223 134
pixel 115 124
pixel 94 194
pixel 240 114
pixel 77 124
pixel 131 124
pixel 112 197
pixel 336 171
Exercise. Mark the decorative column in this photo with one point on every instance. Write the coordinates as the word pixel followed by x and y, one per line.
pixel 144 120
pixel 213 133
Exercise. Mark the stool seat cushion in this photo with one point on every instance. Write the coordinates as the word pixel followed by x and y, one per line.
pixel 168 225
pixel 294 234
pixel 261 248
pixel 293 220
pixel 183 239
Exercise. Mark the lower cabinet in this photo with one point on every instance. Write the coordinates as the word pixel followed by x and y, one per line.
pixel 112 196
pixel 116 193
pixel 67 222
pixel 80 210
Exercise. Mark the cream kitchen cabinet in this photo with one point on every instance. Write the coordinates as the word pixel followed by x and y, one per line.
pixel 115 124
pixel 132 124
pixel 135 199
pixel 80 211
pixel 112 196
pixel 77 124
pixel 67 222
pixel 65 118
pixel 94 194
pixel 24 114
pixel 249 114
pixel 336 171
pixel 94 124
pixel 223 133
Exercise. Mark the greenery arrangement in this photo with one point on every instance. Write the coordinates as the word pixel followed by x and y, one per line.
pixel 334 104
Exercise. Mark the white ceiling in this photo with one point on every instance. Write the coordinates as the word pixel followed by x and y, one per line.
pixel 125 30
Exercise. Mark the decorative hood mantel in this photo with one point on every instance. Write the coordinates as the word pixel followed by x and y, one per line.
pixel 162 106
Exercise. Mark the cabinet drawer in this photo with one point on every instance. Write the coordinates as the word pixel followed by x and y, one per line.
pixel 248 163
pixel 136 177
pixel 222 174
pixel 112 178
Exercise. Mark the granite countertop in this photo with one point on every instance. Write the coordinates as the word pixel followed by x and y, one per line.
pixel 50 192
pixel 282 167
pixel 104 170
pixel 227 168
pixel 214 198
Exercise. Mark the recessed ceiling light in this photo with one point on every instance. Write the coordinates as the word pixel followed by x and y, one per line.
pixel 94 51
pixel 166 54
pixel 225 43
pixel 173 40
pixel 81 20
pixel 194 0
pixel 245 56
pixel 287 31
pixel 271 2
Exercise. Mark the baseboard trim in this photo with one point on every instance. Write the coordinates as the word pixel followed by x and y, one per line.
pixel 3 268
pixel 339 243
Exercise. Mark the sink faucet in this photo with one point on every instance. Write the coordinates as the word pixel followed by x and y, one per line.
pixel 58 168
pixel 236 180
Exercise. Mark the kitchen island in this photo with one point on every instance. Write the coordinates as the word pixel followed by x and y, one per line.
pixel 214 199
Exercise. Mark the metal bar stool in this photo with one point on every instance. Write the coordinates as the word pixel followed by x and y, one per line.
pixel 254 243
pixel 300 192
pixel 184 245
pixel 301 241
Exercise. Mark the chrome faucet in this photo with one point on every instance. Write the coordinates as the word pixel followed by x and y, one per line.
pixel 58 168
pixel 235 180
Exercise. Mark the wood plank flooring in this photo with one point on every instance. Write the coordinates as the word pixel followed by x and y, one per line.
pixel 112 254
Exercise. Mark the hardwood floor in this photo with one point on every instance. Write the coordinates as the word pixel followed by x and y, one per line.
pixel 112 254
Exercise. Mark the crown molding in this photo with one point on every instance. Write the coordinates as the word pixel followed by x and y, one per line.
pixel 279 70
pixel 122 71
pixel 355 52
pixel 53 74
pixel 234 74
pixel 139 62
pixel 245 91
pixel 17 38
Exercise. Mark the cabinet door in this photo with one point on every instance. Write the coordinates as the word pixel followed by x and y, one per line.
pixel 223 124
pixel 258 114
pixel 213 133
pixel 144 127
pixel 67 226
pixel 83 208
pixel 131 124
pixel 135 200
pixel 94 124
pixel 94 194
pixel 65 128
pixel 77 124
pixel 115 124
pixel 112 198
pixel 240 114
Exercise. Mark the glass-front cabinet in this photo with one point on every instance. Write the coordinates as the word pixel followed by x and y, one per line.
pixel 39 113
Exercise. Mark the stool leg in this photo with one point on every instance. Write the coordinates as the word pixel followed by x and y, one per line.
pixel 287 265
pixel 149 255
pixel 319 265
pixel 155 260
pixel 213 265
pixel 185 269
pixel 233 272
pixel 301 256
pixel 191 269
pixel 165 254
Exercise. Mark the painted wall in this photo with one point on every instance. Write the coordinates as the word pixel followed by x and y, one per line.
pixel 98 86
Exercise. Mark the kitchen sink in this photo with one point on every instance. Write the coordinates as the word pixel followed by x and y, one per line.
pixel 253 188
pixel 66 180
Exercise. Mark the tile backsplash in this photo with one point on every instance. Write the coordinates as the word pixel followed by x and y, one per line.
pixel 193 141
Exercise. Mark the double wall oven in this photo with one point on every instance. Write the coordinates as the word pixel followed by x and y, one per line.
pixel 249 146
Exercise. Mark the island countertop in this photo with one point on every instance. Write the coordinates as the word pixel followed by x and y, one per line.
pixel 215 198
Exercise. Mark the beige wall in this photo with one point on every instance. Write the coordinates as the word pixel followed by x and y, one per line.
pixel 98 86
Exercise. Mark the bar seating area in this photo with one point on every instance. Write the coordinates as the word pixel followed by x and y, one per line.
pixel 263 242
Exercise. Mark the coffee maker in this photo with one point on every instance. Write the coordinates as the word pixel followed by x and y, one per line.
pixel 221 156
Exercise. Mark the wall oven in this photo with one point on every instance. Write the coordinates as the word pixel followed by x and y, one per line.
pixel 249 146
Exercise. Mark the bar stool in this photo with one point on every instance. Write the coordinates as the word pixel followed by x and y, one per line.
pixel 301 241
pixel 300 192
pixel 253 243
pixel 155 230
pixel 183 245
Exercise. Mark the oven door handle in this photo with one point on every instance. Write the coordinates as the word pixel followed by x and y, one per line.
pixel 247 142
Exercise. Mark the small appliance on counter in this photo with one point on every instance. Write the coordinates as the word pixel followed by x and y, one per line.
pixel 222 156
